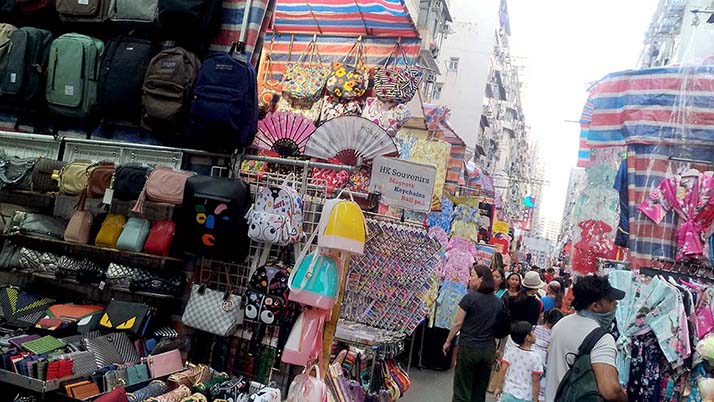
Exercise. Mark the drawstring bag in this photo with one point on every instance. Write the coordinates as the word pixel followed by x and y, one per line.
pixel 305 341
pixel 308 388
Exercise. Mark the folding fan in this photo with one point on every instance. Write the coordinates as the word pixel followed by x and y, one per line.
pixel 349 138
pixel 285 133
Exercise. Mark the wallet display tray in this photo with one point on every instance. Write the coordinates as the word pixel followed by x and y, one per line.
pixel 32 384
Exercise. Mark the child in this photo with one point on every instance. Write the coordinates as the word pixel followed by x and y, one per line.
pixel 542 333
pixel 521 367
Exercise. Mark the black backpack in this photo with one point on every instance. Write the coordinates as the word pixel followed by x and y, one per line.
pixel 23 77
pixel 579 384
pixel 122 74
pixel 213 223
pixel 182 19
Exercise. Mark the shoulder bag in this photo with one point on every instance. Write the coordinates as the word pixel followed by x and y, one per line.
pixel 213 311
pixel 308 388
pixel 160 238
pixel 80 224
pixel 129 180
pixel 349 81
pixel 269 88
pixel 397 85
pixel 16 173
pixel 99 179
pixel 45 175
pixel 134 234
pixel 73 177
pixel 110 231
pixel 163 185
pixel 28 223
pixel 305 80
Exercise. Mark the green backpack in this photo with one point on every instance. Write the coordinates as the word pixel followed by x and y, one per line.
pixel 579 384
pixel 73 71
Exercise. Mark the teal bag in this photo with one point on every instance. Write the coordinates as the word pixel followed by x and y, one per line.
pixel 134 235
pixel 72 74
pixel 314 281
pixel 137 373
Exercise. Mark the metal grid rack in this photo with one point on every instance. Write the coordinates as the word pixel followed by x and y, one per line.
pixel 29 145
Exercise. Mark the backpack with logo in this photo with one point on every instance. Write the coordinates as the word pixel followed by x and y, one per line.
pixel 83 10
pixel 183 18
pixel 167 89
pixel 122 75
pixel 224 112
pixel 214 223
pixel 23 75
pixel 144 11
pixel 72 74
pixel 276 216
pixel 579 383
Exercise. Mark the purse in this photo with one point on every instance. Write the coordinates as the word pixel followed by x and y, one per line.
pixel 213 311
pixel 189 377
pixel 125 316
pixel 390 118
pixel 10 256
pixel 16 173
pixel 397 85
pixel 166 284
pixel 84 316
pixel 129 180
pixel 73 177
pixel 20 308
pixel 45 174
pixel 163 185
pixel 154 388
pixel 160 238
pixel 314 281
pixel 174 396
pixel 307 388
pixel 100 179
pixel 134 234
pixel 31 224
pixel 30 260
pixel 270 89
pixel 137 373
pixel 79 227
pixel 81 269
pixel 305 81
pixel 43 345
pixel 349 81
pixel 117 394
pixel 165 363
pixel 305 340
pixel 110 231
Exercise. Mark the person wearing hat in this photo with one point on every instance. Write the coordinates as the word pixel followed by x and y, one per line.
pixel 526 306
pixel 595 302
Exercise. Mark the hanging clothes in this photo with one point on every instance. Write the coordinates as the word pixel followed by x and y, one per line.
pixel 623 228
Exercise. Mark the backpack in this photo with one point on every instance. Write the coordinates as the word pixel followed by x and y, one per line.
pixel 276 216
pixel 225 104
pixel 23 74
pixel 579 382
pixel 266 297
pixel 133 10
pixel 122 75
pixel 213 223
pixel 6 31
pixel 167 89
pixel 82 10
pixel 72 74
pixel 186 18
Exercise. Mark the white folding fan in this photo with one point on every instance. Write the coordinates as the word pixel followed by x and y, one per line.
pixel 349 138
pixel 285 133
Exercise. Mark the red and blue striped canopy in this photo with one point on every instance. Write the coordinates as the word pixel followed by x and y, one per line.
pixel 345 18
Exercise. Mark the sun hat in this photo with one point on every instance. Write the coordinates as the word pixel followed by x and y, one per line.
pixel 532 280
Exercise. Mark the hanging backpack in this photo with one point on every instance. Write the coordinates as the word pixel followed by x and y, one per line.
pixel 185 18
pixel 213 224
pixel 6 31
pixel 276 216
pixel 579 383
pixel 266 298
pixel 83 10
pixel 225 104
pixel 167 89
pixel 73 71
pixel 122 75
pixel 23 76
pixel 315 279
pixel 144 11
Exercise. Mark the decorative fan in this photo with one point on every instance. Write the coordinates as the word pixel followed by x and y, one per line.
pixel 349 138
pixel 285 133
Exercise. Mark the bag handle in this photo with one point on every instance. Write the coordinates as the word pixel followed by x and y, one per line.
pixel 358 50
pixel 298 261
pixel 316 369
pixel 348 191
pixel 311 51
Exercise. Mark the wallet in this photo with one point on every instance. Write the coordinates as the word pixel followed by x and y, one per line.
pixel 84 391
pixel 42 345
pixel 165 363
pixel 18 341
pixel 125 316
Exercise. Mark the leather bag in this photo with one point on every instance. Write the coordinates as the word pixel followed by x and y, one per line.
pixel 134 235
pixel 165 363
pixel 190 376
pixel 110 231
pixel 160 238
pixel 163 185
pixel 213 311
pixel 16 173
pixel 125 316
pixel 45 174
pixel 79 227
pixel 31 224
pixel 73 177
pixel 129 180
pixel 100 179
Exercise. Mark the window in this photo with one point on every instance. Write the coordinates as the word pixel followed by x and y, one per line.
pixel 454 64
pixel 437 91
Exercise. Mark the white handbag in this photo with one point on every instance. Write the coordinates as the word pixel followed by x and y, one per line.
pixel 307 388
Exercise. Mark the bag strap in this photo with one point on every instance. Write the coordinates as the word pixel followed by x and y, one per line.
pixel 591 340
pixel 298 261
pixel 394 54
pixel 316 369
pixel 357 50
pixel 268 66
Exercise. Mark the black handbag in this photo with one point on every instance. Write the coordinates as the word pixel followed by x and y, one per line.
pixel 16 173
pixel 45 175
pixel 129 180
pixel 150 282
pixel 81 269
pixel 28 223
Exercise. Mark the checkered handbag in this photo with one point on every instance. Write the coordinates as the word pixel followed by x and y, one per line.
pixel 213 311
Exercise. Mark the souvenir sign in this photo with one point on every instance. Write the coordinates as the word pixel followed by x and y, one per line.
pixel 403 184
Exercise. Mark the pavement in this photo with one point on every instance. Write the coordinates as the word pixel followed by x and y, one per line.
pixel 432 386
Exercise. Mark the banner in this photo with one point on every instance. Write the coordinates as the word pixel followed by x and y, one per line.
pixel 484 254
pixel 403 184
pixel 500 227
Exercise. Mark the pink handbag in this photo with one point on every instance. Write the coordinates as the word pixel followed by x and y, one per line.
pixel 79 228
pixel 165 363
pixel 305 340
pixel 163 185
pixel 307 388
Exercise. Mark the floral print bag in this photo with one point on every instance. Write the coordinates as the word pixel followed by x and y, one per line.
pixel 349 82
pixel 305 81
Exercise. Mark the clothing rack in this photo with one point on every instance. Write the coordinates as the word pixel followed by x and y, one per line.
pixel 652 272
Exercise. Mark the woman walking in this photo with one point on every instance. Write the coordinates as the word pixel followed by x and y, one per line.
pixel 477 320
pixel 526 306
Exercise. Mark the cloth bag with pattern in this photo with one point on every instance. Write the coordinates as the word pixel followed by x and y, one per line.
pixel 387 115
pixel 305 79
pixel 349 81
pixel 269 88
pixel 398 85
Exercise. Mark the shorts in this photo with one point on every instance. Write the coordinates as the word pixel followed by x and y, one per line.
pixel 510 398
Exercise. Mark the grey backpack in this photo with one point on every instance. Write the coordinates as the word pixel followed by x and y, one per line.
pixel 133 10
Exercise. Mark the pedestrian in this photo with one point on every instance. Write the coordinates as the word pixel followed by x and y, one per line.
pixel 478 319
pixel 526 306
pixel 542 333
pixel 553 297
pixel 595 302
pixel 513 285
pixel 521 367
pixel 499 282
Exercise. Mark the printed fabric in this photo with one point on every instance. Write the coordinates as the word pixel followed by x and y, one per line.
pixel 623 227
pixel 450 295
pixel 442 218
pixel 594 243
pixel 458 265
pixel 386 115
pixel 432 151
pixel 522 364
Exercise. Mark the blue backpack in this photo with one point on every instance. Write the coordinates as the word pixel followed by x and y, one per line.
pixel 224 112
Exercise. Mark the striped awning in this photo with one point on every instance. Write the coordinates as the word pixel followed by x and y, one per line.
pixel 232 21
pixel 372 18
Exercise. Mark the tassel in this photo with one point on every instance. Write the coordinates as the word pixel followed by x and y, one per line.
pixel 139 206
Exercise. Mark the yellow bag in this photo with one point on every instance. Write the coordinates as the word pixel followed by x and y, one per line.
pixel 73 177
pixel 342 226
pixel 109 232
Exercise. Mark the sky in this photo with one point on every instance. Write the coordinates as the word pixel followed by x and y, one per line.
pixel 564 45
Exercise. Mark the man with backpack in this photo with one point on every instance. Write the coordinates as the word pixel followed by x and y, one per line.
pixel 581 344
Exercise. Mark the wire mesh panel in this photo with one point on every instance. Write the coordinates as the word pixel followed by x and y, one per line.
pixel 29 145
pixel 91 152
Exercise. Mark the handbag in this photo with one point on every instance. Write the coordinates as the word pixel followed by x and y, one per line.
pixel 160 238
pixel 79 227
pixel 355 390
pixel 31 224
pixel 125 316
pixel 137 373
pixel 16 173
pixel 333 107
pixel 134 234
pixel 213 311
pixel 174 396
pixel 304 343
pixel 84 316
pixel 305 81
pixel 270 89
pixel 10 256
pixel 189 377
pixel 307 388
pixel 397 85
pixel 166 284
pixel 73 177
pixel 129 180
pixel 30 260
pixel 349 81
pixel 165 363
pixel 20 308
pixel 99 179
pixel 163 185
pixel 390 118
pixel 314 281
pixel 45 174
pixel 81 269
pixel 114 348
pixel 110 231
pixel 308 109
pixel 153 389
